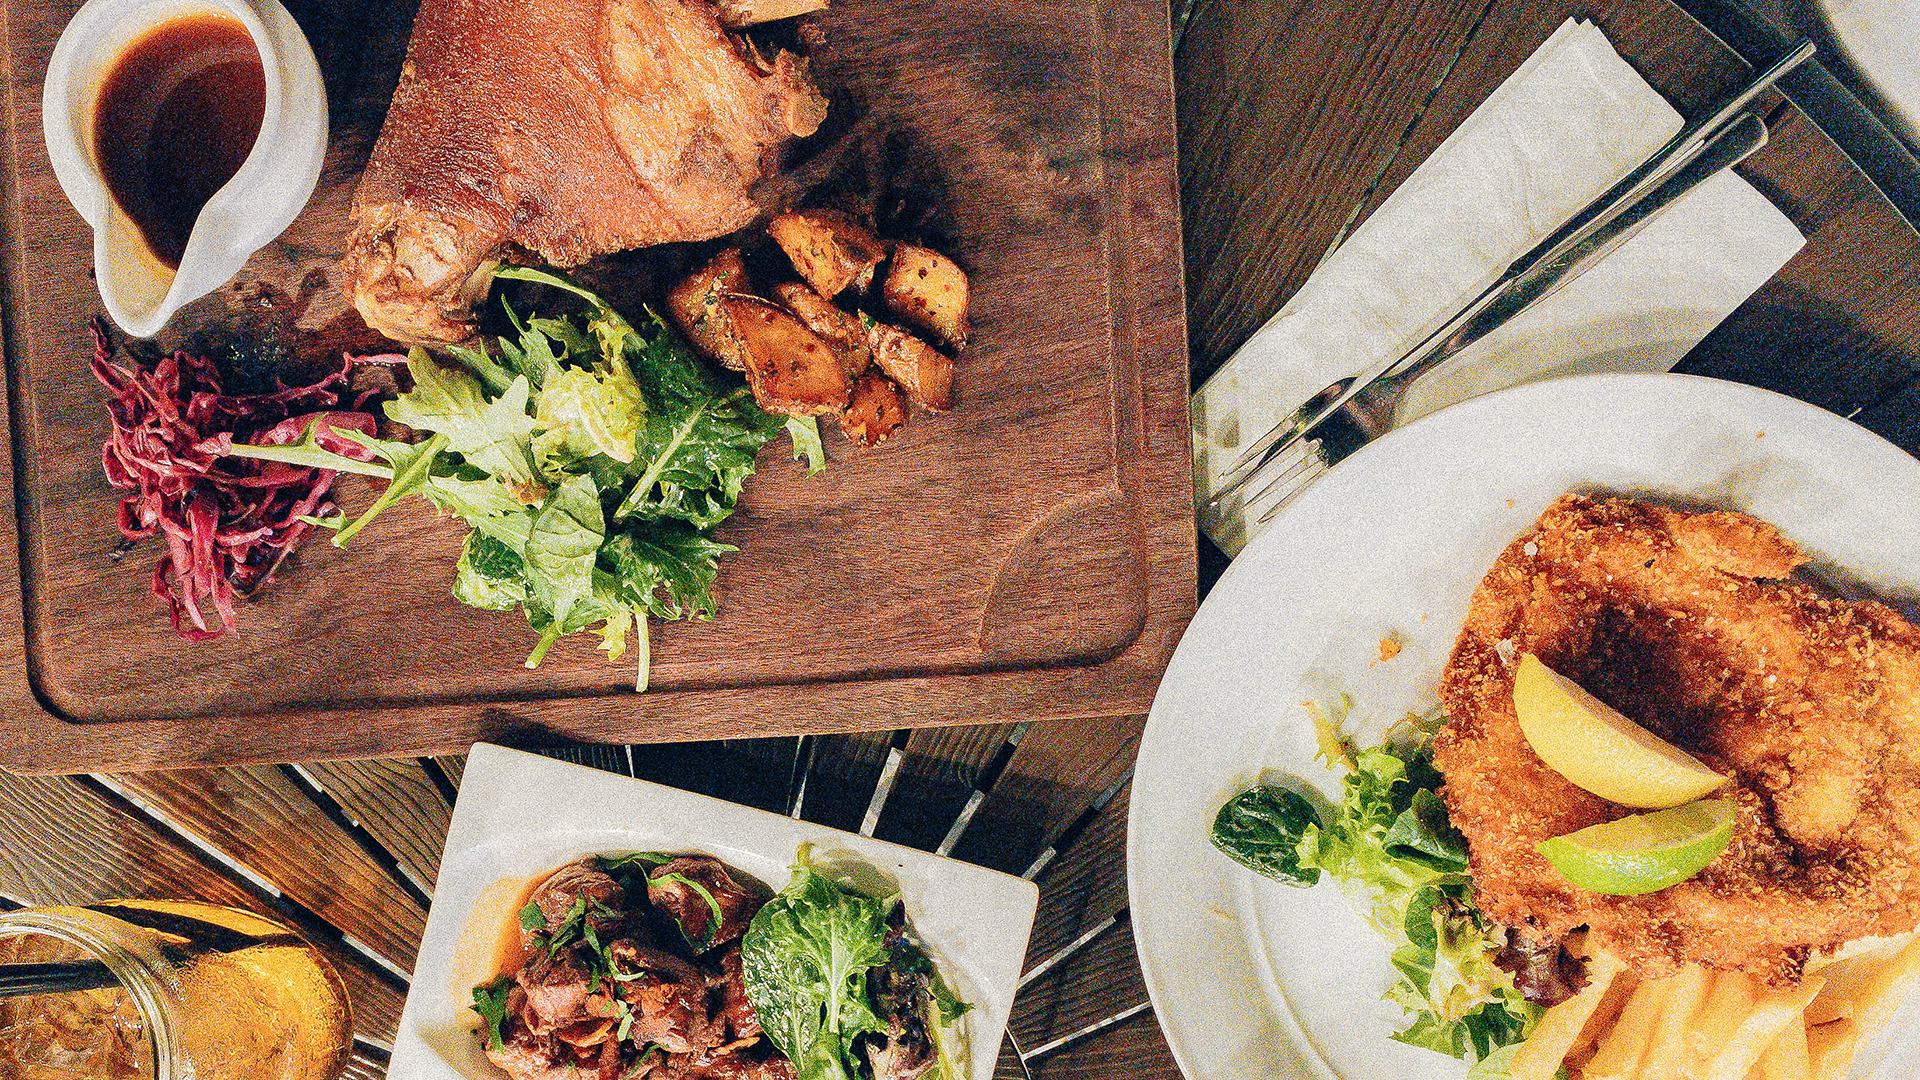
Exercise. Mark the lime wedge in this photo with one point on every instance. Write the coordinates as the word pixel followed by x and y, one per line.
pixel 1591 744
pixel 1643 853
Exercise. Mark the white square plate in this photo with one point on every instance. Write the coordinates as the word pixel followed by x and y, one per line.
pixel 520 816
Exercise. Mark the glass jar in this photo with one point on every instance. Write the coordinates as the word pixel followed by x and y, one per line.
pixel 198 992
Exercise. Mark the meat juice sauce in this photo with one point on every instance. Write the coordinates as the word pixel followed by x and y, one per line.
pixel 177 115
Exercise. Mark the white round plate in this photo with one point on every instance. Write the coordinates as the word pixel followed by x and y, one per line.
pixel 1251 978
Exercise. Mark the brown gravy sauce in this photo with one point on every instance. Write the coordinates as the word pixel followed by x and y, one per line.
pixel 176 117
pixel 489 942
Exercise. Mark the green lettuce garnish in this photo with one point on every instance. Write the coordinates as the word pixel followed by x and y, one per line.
pixel 591 458
pixel 805 961
pixel 490 1001
pixel 1391 848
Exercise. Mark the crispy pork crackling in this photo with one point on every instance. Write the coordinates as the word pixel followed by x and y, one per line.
pixel 565 129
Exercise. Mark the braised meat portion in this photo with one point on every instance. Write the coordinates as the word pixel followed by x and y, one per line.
pixel 648 967
pixel 706 899
pixel 564 128
pixel 612 984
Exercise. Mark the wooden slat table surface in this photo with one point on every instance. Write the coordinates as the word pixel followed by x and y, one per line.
pixel 1297 118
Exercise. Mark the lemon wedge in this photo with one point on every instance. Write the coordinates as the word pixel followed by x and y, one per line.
pixel 1643 853
pixel 1591 744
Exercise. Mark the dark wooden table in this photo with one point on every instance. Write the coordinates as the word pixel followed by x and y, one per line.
pixel 1296 120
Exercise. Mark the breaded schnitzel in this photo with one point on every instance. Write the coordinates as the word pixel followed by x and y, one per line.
pixel 1682 622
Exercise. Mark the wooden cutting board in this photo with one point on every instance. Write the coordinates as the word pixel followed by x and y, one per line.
pixel 1028 555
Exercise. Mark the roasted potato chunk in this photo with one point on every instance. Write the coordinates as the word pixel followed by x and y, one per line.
pixel 829 248
pixel 928 290
pixel 740 14
pixel 694 305
pixel 922 371
pixel 790 369
pixel 877 409
pixel 837 328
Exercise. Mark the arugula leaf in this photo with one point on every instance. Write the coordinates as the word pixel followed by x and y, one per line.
pixel 667 570
pixel 411 463
pixel 308 452
pixel 698 443
pixel 491 374
pixel 492 435
pixel 804 960
pixel 560 554
pixel 532 918
pixel 490 1001
pixel 805 433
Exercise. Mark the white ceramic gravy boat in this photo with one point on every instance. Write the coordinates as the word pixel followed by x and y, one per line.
pixel 254 207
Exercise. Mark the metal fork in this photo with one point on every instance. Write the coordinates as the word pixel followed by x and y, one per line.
pixel 1354 411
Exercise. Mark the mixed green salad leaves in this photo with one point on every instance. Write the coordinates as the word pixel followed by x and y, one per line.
pixel 1390 846
pixel 592 460
pixel 806 958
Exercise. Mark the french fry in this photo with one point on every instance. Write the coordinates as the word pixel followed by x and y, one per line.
pixel 1603 1018
pixel 1887 988
pixel 1668 1050
pixel 1772 1011
pixel 1559 1028
pixel 1786 1056
pixel 1622 1048
pixel 1846 980
pixel 1830 1047
pixel 1729 1000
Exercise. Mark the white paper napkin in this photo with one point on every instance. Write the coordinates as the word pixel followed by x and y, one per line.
pixel 1560 131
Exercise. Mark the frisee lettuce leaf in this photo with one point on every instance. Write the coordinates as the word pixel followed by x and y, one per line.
pixel 1391 848
pixel 804 961
pixel 592 459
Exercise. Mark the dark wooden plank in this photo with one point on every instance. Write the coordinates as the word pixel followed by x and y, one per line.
pixel 938 773
pixel 1045 562
pixel 68 841
pixel 1085 886
pixel 1840 324
pixel 1897 417
pixel 1133 1048
pixel 451 767
pixel 1272 168
pixel 1060 769
pixel 1091 985
pixel 397 803
pixel 841 773
pixel 757 772
pixel 258 818
pixel 364 1066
